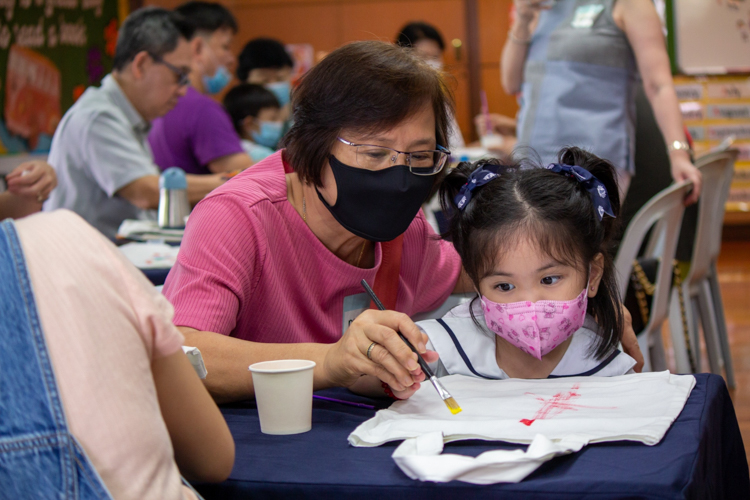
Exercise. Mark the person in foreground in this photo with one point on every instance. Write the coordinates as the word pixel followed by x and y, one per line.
pixel 271 263
pixel 100 152
pixel 94 373
pixel 535 243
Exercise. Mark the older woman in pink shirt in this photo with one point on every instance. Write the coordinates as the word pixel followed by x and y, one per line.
pixel 271 263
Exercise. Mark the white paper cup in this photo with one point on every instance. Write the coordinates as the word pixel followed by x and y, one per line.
pixel 283 393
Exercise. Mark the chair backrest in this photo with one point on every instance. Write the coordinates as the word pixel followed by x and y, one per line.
pixel 664 212
pixel 717 170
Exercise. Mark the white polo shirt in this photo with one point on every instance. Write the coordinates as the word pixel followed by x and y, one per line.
pixel 99 147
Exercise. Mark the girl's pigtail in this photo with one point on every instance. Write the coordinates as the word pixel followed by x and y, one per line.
pixel 606 306
pixel 449 188
pixel 606 173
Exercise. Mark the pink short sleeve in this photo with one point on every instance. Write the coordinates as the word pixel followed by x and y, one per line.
pixel 220 260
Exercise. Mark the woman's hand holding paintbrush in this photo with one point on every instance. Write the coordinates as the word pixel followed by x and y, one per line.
pixel 390 359
pixel 442 392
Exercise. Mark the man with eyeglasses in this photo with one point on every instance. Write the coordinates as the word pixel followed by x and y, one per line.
pixel 105 168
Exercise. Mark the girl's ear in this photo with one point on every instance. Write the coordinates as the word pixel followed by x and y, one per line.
pixel 595 274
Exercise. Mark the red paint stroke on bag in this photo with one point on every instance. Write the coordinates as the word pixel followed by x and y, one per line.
pixel 559 403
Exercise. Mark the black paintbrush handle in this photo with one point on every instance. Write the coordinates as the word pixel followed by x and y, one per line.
pixel 380 306
pixel 422 362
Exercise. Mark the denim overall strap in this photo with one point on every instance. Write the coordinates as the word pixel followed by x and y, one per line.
pixel 39 458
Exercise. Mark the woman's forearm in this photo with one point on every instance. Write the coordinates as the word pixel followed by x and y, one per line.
pixel 227 360
pixel 663 100
pixel 514 54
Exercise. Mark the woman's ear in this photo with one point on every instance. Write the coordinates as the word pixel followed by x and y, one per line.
pixel 595 274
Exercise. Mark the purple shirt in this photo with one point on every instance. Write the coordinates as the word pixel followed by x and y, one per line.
pixel 196 132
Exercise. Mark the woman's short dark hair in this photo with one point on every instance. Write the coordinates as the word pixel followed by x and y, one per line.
pixel 553 211
pixel 416 31
pixel 262 53
pixel 247 99
pixel 364 87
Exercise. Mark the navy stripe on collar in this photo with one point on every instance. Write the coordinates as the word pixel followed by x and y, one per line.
pixel 594 370
pixel 465 358
pixel 461 351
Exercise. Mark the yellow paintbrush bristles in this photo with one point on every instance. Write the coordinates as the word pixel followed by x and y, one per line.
pixel 452 405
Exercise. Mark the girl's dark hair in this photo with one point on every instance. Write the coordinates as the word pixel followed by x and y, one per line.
pixel 364 87
pixel 262 53
pixel 247 99
pixel 553 211
pixel 416 31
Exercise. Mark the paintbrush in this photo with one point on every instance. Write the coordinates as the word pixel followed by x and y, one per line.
pixel 442 392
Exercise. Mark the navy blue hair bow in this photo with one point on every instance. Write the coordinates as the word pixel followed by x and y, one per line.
pixel 596 189
pixel 478 177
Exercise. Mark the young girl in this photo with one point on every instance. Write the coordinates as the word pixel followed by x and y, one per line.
pixel 536 244
pixel 256 115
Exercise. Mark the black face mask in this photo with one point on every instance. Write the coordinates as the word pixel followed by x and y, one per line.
pixel 377 205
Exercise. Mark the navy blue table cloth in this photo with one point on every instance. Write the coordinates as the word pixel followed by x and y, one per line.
pixel 702 456
pixel 157 276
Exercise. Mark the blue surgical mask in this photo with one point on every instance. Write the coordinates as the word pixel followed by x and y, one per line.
pixel 215 84
pixel 282 91
pixel 269 135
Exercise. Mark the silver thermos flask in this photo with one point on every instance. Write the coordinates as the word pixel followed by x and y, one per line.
pixel 173 202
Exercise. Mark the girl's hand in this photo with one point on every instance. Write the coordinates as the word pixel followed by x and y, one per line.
pixel 32 179
pixel 390 358
pixel 629 340
pixel 683 169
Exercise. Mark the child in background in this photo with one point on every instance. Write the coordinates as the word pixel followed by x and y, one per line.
pixel 535 242
pixel 266 62
pixel 256 116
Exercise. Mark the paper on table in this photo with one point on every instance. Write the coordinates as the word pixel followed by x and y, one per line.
pixel 150 255
pixel 568 413
pixel 144 230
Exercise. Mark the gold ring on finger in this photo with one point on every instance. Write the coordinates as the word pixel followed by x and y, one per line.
pixel 369 350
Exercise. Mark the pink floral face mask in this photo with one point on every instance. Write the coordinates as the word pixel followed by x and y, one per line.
pixel 536 327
